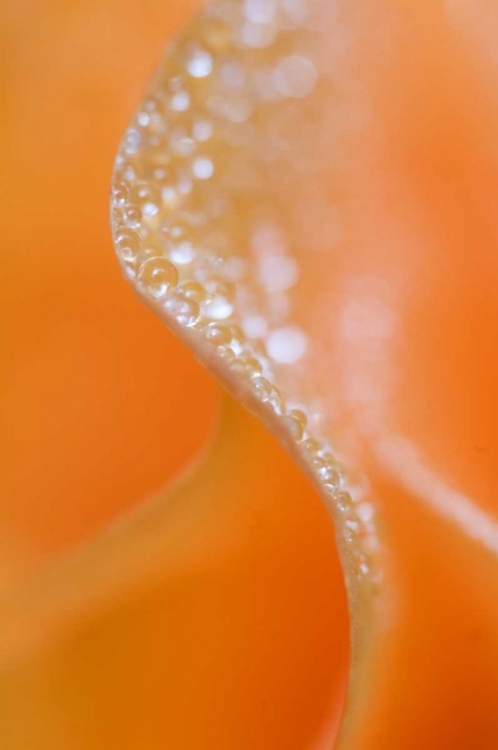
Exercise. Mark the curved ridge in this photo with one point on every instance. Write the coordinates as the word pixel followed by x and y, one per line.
pixel 203 225
pixel 209 200
pixel 258 190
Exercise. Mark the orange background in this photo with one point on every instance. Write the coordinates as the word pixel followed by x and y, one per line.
pixel 99 404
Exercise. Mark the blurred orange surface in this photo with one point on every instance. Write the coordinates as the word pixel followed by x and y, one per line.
pixel 99 404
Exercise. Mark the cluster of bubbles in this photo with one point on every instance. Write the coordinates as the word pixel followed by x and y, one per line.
pixel 180 197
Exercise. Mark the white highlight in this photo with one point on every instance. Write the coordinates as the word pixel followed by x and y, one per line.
pixel 287 345
pixel 255 326
pixel 259 11
pixel 200 64
pixel 180 101
pixel 217 308
pixel 399 454
pixel 203 168
pixel 295 76
pixel 202 130
pixel 278 272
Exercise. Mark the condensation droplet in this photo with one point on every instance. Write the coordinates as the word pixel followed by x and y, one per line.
pixel 145 197
pixel 261 388
pixel 127 243
pixel 193 290
pixel 226 353
pixel 330 475
pixel 248 366
pixel 119 193
pixel 218 335
pixel 184 310
pixel 344 501
pixel 311 446
pixel 158 276
pixel 133 216
pixel 276 401
pixel 294 426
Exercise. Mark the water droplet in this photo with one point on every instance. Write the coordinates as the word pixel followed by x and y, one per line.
pixel 226 354
pixel 294 427
pixel 218 335
pixel 300 416
pixel 311 446
pixel 145 197
pixel 119 193
pixel 184 310
pixel 275 400
pixel 344 501
pixel 128 244
pixel 261 388
pixel 193 290
pixel 158 276
pixel 330 476
pixel 151 249
pixel 329 489
pixel 248 366
pixel 133 216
